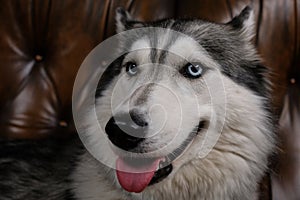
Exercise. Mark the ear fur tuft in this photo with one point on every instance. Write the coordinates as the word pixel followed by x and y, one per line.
pixel 122 17
pixel 245 22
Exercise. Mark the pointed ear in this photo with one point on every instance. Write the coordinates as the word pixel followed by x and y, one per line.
pixel 122 17
pixel 125 21
pixel 245 22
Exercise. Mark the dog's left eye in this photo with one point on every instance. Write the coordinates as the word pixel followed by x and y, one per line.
pixel 192 71
pixel 131 68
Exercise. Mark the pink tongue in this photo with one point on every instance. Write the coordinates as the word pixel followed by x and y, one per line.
pixel 135 178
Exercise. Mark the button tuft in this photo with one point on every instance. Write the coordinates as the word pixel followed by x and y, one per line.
pixel 293 81
pixel 38 58
pixel 63 123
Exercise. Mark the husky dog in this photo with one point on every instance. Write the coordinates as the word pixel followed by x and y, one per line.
pixel 190 119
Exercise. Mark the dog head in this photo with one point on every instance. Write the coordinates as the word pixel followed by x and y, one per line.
pixel 185 91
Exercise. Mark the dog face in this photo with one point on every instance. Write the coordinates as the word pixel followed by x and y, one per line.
pixel 187 96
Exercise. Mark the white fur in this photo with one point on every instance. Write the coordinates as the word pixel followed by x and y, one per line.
pixel 249 26
pixel 235 145
pixel 234 165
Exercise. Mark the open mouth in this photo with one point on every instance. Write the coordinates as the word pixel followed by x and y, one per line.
pixel 134 175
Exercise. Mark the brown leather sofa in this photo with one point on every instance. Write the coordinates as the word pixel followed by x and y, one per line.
pixel 43 42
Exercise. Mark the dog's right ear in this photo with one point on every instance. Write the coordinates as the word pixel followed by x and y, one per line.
pixel 125 21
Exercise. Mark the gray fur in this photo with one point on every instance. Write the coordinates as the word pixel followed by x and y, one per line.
pixel 35 170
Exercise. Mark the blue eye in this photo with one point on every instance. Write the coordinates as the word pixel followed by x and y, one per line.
pixel 131 68
pixel 192 71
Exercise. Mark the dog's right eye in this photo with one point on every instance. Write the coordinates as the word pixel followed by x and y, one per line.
pixel 131 68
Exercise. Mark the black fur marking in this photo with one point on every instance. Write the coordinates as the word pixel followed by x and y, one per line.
pixel 125 21
pixel 161 174
pixel 113 70
pixel 238 21
pixel 121 15
pixel 35 170
pixel 253 77
pixel 248 73
pixel 69 195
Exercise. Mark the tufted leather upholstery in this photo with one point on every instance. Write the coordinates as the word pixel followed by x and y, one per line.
pixel 42 44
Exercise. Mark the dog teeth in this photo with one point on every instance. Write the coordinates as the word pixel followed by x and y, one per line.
pixel 158 167
pixel 163 163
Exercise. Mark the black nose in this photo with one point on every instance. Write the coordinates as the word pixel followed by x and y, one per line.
pixel 126 131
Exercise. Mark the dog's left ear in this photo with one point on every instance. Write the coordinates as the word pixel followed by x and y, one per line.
pixel 245 22
pixel 125 21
